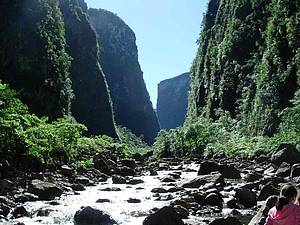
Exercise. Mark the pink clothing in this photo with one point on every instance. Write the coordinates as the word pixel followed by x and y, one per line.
pixel 289 215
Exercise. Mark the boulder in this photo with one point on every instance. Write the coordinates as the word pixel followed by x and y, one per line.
pixel 135 181
pixel 214 199
pixel 229 171
pixel 226 221
pixel 134 200
pixel 295 171
pixel 208 167
pixel 77 187
pixel 19 211
pixel 83 180
pixel 129 163
pixel 44 190
pixel 90 216
pixel 6 186
pixel 159 190
pixel 286 153
pixel 261 216
pixel 66 170
pixel 267 190
pixel 116 179
pixel 183 212
pixel 210 180
pixel 103 200
pixel 164 216
pixel 124 171
pixel 253 176
pixel 168 179
pixel 246 197
pixel 284 170
pixel 100 163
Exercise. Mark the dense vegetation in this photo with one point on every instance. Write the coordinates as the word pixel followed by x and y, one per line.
pixel 24 135
pixel 119 60
pixel 245 81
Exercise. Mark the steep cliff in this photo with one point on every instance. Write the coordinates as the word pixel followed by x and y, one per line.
pixel 119 60
pixel 92 105
pixel 247 62
pixel 172 101
pixel 49 53
pixel 33 58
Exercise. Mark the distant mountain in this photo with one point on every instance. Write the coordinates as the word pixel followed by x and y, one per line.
pixel 172 101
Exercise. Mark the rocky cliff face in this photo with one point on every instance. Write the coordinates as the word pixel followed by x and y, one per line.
pixel 43 46
pixel 172 101
pixel 119 60
pixel 92 105
pixel 247 62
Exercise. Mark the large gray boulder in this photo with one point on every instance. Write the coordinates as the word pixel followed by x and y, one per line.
pixel 165 216
pixel 210 180
pixel 44 190
pixel 286 153
pixel 91 216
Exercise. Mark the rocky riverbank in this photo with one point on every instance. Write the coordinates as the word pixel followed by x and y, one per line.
pixel 215 190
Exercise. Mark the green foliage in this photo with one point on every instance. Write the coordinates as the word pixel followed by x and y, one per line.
pixel 84 164
pixel 22 133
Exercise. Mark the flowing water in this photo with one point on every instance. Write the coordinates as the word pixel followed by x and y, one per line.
pixel 123 212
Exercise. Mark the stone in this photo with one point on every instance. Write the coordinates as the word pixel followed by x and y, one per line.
pixel 267 190
pixel 19 211
pixel 100 163
pixel 103 200
pixel 246 197
pixel 183 212
pixel 77 187
pixel 229 172
pixel 261 216
pixel 210 180
pixel 90 216
pixel 128 163
pixel 159 190
pixel 164 216
pixel 226 221
pixel 116 179
pixel 134 200
pixel 208 167
pixel 253 176
pixel 125 171
pixel 66 170
pixel 285 153
pixel 6 186
pixel 168 179
pixel 135 181
pixel 295 171
pixel 83 180
pixel 214 199
pixel 44 190
pixel 284 170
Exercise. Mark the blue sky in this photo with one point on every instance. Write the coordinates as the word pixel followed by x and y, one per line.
pixel 166 32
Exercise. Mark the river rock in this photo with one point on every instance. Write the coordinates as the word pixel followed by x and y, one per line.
pixel 83 180
pixel 77 187
pixel 226 221
pixel 286 153
pixel 159 190
pixel 164 216
pixel 26 197
pixel 91 216
pixel 284 170
pixel 253 176
pixel 6 186
pixel 100 163
pixel 19 211
pixel 103 200
pixel 124 171
pixel 45 190
pixel 116 179
pixel 295 171
pixel 128 163
pixel 135 181
pixel 66 170
pixel 267 190
pixel 261 216
pixel 134 200
pixel 208 167
pixel 209 181
pixel 214 199
pixel 246 197
pixel 168 179
pixel 4 209
pixel 229 171
pixel 183 212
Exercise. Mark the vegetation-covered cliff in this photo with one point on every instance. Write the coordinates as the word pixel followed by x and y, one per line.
pixel 49 54
pixel 91 105
pixel 119 60
pixel 247 62
pixel 172 101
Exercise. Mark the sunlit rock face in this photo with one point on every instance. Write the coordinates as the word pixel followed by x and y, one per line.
pixel 172 101
pixel 119 60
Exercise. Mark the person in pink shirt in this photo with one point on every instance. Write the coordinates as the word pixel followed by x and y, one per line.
pixel 285 212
